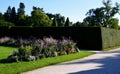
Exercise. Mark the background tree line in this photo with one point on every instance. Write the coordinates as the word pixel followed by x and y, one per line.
pixel 98 17
pixel 38 18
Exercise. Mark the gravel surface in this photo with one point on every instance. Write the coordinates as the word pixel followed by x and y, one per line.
pixel 99 63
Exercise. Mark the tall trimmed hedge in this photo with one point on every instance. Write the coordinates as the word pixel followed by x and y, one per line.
pixel 93 38
pixel 110 38
pixel 86 37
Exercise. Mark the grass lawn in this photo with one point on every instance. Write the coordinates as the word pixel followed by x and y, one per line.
pixel 17 68
pixel 111 48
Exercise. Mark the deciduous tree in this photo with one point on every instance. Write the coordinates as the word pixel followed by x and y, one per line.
pixel 103 16
pixel 39 18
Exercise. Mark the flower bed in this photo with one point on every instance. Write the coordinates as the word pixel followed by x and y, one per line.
pixel 33 49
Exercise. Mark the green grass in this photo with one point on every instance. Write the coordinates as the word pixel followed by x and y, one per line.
pixel 111 48
pixel 5 51
pixel 17 68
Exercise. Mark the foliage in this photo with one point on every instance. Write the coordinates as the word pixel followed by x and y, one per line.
pixel 7 14
pixel 1 16
pixel 67 23
pixel 17 68
pixel 4 23
pixel 114 23
pixel 7 41
pixel 13 16
pixel 55 23
pixel 39 18
pixel 103 16
pixel 59 19
pixel 21 17
pixel 36 49
pixel 21 9
pixel 79 24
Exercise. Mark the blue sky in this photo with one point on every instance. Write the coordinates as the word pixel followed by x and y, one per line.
pixel 74 9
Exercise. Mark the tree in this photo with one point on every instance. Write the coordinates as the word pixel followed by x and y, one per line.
pixel 67 23
pixel 39 18
pixel 55 23
pixel 103 15
pixel 50 15
pixel 5 20
pixel 60 19
pixel 28 21
pixel 13 15
pixel 114 23
pixel 21 17
pixel 1 16
pixel 7 14
pixel 21 9
pixel 95 17
pixel 110 12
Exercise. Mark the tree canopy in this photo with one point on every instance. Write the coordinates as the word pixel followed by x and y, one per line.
pixel 39 18
pixel 100 17
pixel 103 16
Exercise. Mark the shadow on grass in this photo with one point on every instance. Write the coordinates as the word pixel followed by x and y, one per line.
pixel 3 61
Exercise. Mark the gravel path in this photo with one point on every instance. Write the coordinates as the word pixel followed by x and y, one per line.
pixel 100 63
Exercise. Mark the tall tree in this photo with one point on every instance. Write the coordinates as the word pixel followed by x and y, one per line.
pixel 21 9
pixel 39 18
pixel 7 18
pixel 60 19
pixel 67 23
pixel 7 14
pixel 21 18
pixel 103 15
pixel 1 16
pixel 55 23
pixel 13 15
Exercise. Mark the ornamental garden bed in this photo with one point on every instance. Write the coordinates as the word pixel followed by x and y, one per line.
pixel 19 67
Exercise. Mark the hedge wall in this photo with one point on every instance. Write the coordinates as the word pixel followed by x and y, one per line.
pixel 86 37
pixel 93 38
pixel 110 37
